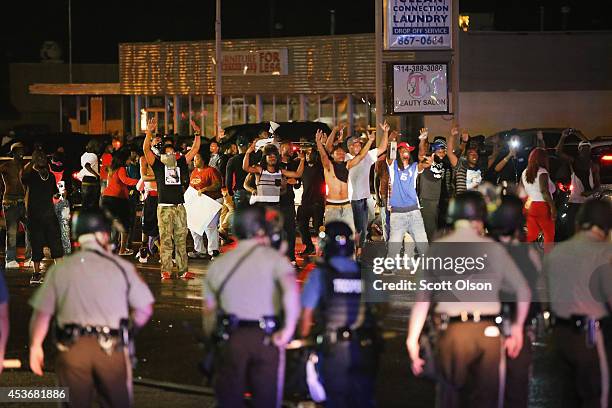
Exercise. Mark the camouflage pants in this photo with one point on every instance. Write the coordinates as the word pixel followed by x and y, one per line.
pixel 172 222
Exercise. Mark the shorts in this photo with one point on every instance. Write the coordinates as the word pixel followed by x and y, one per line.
pixel 119 209
pixel 149 217
pixel 44 230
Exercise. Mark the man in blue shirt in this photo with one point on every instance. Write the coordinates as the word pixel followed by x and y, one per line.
pixel 404 203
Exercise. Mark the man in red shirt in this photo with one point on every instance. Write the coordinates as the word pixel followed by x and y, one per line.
pixel 105 163
pixel 206 180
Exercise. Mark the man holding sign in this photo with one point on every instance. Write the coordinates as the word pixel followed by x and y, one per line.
pixel 206 180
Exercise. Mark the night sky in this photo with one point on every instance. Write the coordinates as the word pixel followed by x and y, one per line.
pixel 98 26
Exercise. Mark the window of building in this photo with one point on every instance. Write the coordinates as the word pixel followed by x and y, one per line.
pixel 183 117
pixel 327 110
pixel 281 108
pixel 293 107
pixel 268 102
pixel 312 108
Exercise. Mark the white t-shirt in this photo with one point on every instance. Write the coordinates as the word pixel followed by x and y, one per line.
pixel 359 176
pixel 92 159
pixel 533 189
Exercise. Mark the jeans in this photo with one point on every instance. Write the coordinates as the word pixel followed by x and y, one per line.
pixel 14 213
pixel 409 222
pixel 304 214
pixel 384 218
pixel 342 213
pixel 212 235
pixel 360 216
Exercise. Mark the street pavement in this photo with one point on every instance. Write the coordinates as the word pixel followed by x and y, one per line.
pixel 168 349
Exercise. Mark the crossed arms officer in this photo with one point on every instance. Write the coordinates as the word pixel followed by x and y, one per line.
pixel 469 353
pixel 248 289
pixel 91 293
pixel 348 331
pixel 579 273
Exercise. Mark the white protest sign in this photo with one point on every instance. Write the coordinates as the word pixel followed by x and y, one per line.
pixel 200 209
pixel 418 24
pixel 420 88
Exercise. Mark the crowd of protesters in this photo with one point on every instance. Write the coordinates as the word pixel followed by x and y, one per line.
pixel 392 188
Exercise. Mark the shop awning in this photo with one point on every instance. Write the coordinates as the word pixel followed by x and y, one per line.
pixel 75 89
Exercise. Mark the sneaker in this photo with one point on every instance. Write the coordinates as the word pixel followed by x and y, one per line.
pixel 308 251
pixel 187 275
pixel 128 252
pixel 143 260
pixel 194 255
pixel 36 278
pixel 166 275
pixel 28 263
pixel 12 265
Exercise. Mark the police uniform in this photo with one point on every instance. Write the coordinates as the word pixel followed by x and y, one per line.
pixel 347 333
pixel 90 293
pixel 262 287
pixel 579 273
pixel 469 350
pixel 506 225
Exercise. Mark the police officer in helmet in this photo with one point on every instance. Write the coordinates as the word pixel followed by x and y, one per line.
pixel 343 324
pixel 469 342
pixel 97 300
pixel 246 292
pixel 505 225
pixel 579 273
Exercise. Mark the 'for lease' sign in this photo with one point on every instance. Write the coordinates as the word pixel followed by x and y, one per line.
pixel 420 88
pixel 418 24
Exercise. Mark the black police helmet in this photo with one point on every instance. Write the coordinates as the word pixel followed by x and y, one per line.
pixel 90 221
pixel 507 218
pixel 257 221
pixel 594 213
pixel 336 239
pixel 467 206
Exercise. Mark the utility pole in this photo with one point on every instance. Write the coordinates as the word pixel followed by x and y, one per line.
pixel 379 67
pixel 455 60
pixel 70 41
pixel 218 63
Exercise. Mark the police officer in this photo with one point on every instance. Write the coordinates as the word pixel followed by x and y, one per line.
pixel 345 327
pixel 469 346
pixel 92 294
pixel 579 273
pixel 506 226
pixel 248 290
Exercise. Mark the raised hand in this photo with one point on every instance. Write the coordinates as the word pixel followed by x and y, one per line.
pixel 423 134
pixel 465 136
pixel 455 130
pixel 385 126
pixel 194 126
pixel 251 148
pixel 152 125
pixel 372 136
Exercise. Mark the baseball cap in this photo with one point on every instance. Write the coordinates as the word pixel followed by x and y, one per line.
pixel 405 146
pixel 439 142
pixel 584 143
